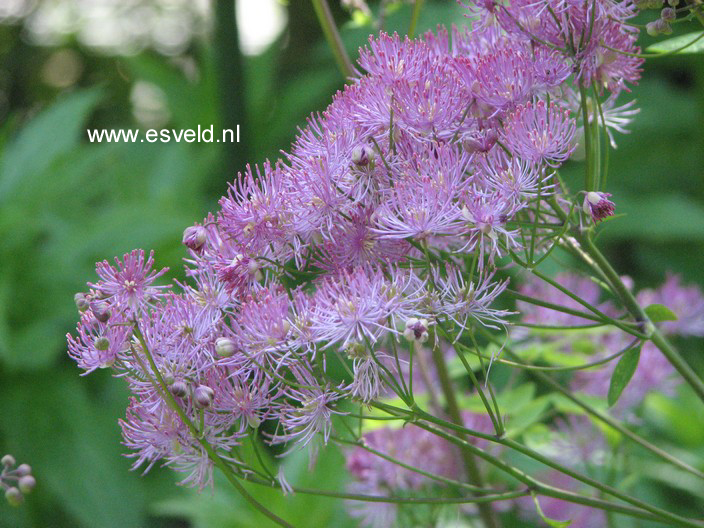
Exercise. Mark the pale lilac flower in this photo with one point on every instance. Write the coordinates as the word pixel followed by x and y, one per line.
pixel 503 78
pixel 362 305
pixel 432 106
pixel 308 414
pixel 240 275
pixel 99 345
pixel 157 433
pixel 608 115
pixel 485 215
pixel 391 58
pixel 518 179
pixel 463 301
pixel 255 212
pixel 539 133
pixel 129 286
pixel 426 201
pixel 367 384
pixel 262 327
pixel 355 242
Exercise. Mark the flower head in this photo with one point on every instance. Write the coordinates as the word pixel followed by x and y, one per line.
pixel 129 286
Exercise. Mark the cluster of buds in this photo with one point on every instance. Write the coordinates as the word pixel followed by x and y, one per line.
pixel 16 482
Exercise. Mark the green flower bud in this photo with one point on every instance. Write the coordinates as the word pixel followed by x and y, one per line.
pixel 14 497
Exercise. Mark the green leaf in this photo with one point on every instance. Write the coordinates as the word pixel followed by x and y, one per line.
pixel 623 373
pixel 51 134
pixel 516 399
pixel 670 218
pixel 550 522
pixel 658 313
pixel 530 414
pixel 225 508
pixel 51 421
pixel 672 44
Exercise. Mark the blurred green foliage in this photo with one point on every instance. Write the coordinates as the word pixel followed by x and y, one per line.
pixel 66 203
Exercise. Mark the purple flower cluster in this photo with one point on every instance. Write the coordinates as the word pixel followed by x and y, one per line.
pixel 441 144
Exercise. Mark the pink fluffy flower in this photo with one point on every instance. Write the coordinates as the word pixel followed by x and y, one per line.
pixel 539 132
pixel 130 285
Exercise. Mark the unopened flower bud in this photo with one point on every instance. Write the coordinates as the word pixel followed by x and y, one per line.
pixel 100 311
pixel 356 350
pixel 658 27
pixel 363 155
pixel 483 143
pixel 598 205
pixel 8 461
pixel 416 330
pixel 628 282
pixel 253 421
pixel 26 483
pixel 101 343
pixel 254 269
pixel 14 496
pixel 224 347
pixel 24 469
pixel 203 396
pixel 179 388
pixel 668 14
pixel 194 237
pixel 81 301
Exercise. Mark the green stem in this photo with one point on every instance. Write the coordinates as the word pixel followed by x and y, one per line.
pixel 641 509
pixel 417 5
pixel 512 444
pixel 598 414
pixel 588 175
pixel 332 35
pixel 483 500
pixel 697 9
pixel 212 455
pixel 485 510
pixel 632 305
pixel 432 476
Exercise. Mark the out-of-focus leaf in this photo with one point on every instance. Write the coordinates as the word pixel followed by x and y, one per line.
pixel 680 419
pixel 565 405
pixel 73 447
pixel 49 135
pixel 530 414
pixel 190 103
pixel 225 508
pixel 668 219
pixel 694 42
pixel 658 313
pixel 516 399
pixel 672 476
pixel 625 368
